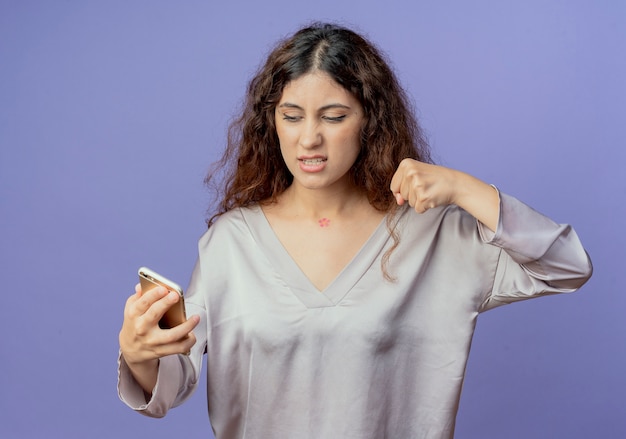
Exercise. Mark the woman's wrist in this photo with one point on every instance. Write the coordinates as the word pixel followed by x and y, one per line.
pixel 145 373
pixel 478 198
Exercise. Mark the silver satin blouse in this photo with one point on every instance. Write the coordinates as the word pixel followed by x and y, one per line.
pixel 366 358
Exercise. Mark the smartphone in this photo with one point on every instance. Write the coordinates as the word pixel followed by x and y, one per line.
pixel 176 314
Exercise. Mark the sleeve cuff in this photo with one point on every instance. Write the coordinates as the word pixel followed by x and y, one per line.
pixel 486 234
pixel 524 233
pixel 164 393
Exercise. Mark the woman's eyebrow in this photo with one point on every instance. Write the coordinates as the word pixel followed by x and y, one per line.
pixel 324 108
pixel 290 105
pixel 333 106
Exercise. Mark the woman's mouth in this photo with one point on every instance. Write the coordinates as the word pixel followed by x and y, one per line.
pixel 312 164
pixel 315 161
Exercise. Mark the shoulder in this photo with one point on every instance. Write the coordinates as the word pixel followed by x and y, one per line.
pixel 237 217
pixel 446 240
pixel 447 219
pixel 233 223
pixel 448 229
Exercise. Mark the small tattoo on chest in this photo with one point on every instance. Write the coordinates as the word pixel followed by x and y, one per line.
pixel 324 222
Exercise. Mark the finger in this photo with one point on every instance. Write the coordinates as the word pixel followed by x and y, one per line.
pixel 412 194
pixel 133 298
pixel 396 186
pixel 183 330
pixel 414 200
pixel 138 306
pixel 160 302
pixel 184 345
pixel 399 199
pixel 418 199
pixel 400 174
pixel 178 340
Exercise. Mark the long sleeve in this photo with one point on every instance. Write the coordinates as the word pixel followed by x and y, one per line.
pixel 170 377
pixel 539 256
pixel 178 374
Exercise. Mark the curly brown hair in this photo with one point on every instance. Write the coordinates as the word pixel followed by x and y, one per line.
pixel 252 166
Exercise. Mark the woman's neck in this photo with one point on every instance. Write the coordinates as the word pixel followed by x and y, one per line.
pixel 323 203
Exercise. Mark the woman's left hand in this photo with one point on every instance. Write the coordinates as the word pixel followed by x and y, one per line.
pixel 425 186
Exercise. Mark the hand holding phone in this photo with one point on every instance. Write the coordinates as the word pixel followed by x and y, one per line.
pixel 175 315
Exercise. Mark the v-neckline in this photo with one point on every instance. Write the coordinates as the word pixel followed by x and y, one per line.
pixel 295 279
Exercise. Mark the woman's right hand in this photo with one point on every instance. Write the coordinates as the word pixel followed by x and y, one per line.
pixel 143 342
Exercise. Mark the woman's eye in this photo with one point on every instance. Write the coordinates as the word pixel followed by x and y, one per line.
pixel 289 118
pixel 335 119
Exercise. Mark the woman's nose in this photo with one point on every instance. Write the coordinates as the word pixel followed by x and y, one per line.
pixel 310 137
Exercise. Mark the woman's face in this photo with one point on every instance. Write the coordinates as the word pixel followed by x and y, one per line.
pixel 318 123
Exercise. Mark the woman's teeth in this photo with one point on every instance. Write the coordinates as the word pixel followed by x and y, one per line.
pixel 312 161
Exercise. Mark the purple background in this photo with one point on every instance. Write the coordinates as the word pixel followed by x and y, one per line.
pixel 111 112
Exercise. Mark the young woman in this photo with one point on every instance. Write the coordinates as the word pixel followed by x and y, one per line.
pixel 338 286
